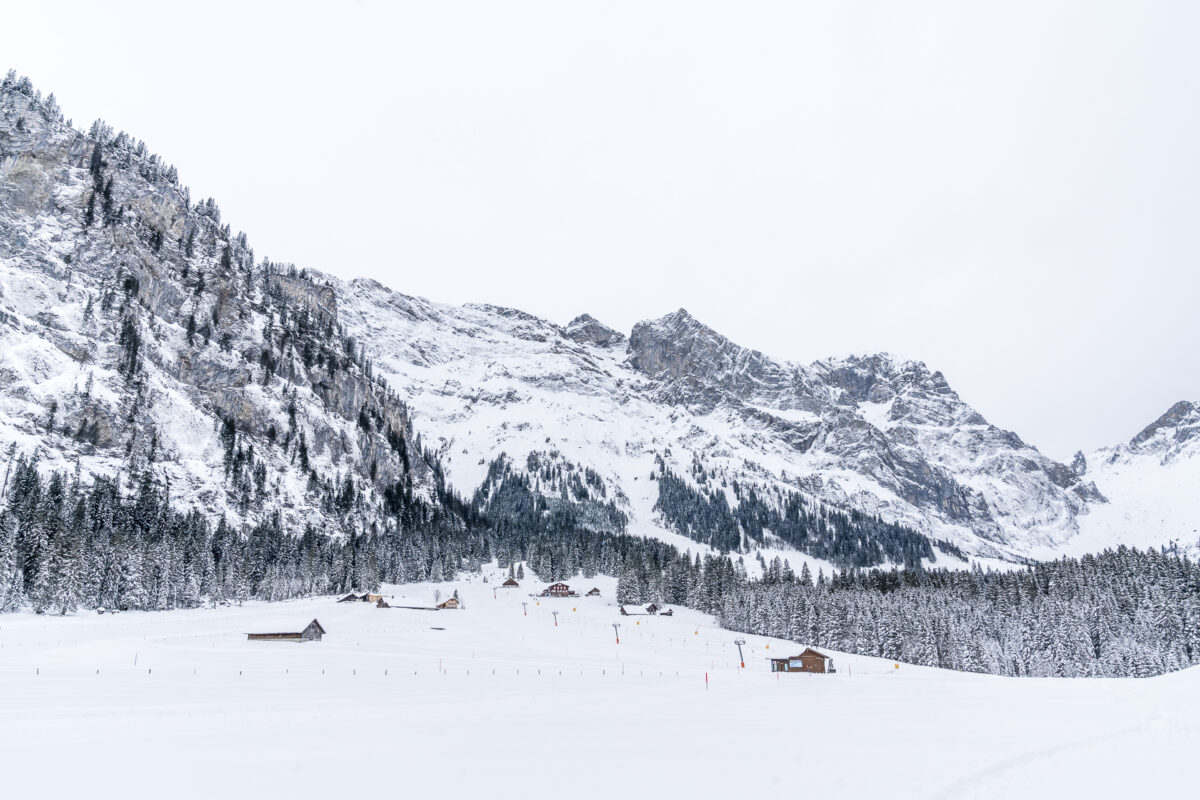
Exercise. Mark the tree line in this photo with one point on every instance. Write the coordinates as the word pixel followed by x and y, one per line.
pixel 65 545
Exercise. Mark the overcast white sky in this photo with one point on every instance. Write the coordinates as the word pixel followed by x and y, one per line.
pixel 1007 191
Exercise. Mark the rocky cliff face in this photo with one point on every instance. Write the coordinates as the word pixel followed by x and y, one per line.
pixel 895 423
pixel 141 335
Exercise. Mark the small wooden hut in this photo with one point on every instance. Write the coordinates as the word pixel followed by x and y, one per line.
pixel 312 633
pixel 808 661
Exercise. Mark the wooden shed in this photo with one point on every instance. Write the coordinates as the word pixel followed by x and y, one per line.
pixel 808 661
pixel 511 583
pixel 451 602
pixel 312 633
pixel 594 592
pixel 351 598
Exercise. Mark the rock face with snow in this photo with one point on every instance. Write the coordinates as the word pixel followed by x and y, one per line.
pixel 142 338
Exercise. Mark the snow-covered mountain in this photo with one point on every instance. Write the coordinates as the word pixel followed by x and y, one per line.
pixel 1153 485
pixel 142 338
pixel 886 437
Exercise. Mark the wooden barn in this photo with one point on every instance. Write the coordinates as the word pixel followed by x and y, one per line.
pixel 312 633
pixel 451 602
pixel 381 603
pixel 372 598
pixel 511 583
pixel 808 661
pixel 351 598
pixel 558 590
pixel 594 592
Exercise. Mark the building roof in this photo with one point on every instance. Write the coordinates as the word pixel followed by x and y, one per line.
pixel 314 622
pixel 807 652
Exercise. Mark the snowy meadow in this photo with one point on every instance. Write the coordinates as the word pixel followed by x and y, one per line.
pixel 506 698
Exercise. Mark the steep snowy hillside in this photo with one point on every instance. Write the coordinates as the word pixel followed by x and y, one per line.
pixel 883 437
pixel 1153 483
pixel 141 339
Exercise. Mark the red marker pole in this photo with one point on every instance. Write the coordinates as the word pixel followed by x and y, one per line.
pixel 706 681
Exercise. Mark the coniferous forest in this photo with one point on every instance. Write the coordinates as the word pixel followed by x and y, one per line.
pixel 65 545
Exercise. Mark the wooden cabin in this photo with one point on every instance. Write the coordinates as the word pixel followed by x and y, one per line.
pixel 381 603
pixel 652 609
pixel 372 598
pixel 351 598
pixel 808 661
pixel 593 593
pixel 451 602
pixel 558 590
pixel 511 583
pixel 312 633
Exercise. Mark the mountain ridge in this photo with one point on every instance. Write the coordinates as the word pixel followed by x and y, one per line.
pixel 147 336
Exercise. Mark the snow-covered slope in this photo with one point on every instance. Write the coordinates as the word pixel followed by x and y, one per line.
pixel 1153 485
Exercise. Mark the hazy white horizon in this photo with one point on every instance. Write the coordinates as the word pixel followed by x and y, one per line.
pixel 1008 194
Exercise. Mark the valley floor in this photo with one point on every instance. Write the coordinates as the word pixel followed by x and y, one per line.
pixel 489 702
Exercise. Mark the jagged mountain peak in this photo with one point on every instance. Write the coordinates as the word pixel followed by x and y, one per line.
pixel 1180 423
pixel 586 329
pixel 697 360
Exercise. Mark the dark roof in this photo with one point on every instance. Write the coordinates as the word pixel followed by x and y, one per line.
pixel 314 622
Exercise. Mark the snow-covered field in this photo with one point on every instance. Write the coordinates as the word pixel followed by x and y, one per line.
pixel 491 701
